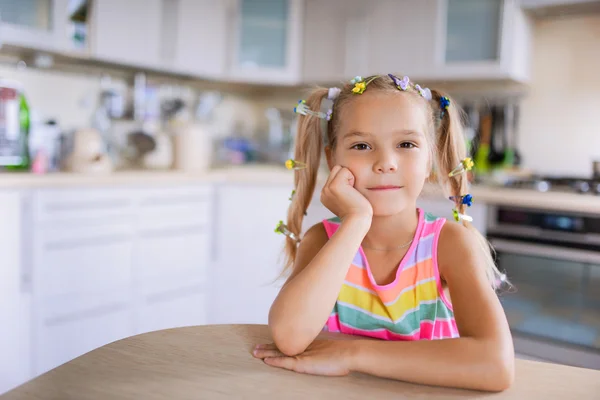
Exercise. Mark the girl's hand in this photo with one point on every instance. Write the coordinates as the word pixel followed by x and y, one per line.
pixel 322 357
pixel 341 198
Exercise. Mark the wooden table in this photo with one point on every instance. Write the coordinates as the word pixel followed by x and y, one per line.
pixel 214 362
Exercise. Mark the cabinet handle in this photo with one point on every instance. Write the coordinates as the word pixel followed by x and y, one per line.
pixel 174 294
pixel 85 314
pixel 26 235
pixel 165 201
pixel 93 241
pixel 85 205
pixel 173 231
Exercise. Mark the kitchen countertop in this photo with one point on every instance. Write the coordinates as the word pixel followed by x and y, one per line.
pixel 214 362
pixel 586 203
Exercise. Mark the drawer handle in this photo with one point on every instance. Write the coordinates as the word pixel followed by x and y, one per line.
pixel 174 294
pixel 94 241
pixel 84 205
pixel 85 314
pixel 173 231
pixel 163 201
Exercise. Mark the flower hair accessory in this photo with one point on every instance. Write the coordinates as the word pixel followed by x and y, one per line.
pixel 281 228
pixel 444 105
pixel 465 165
pixel 458 216
pixel 329 113
pixel 360 85
pixel 404 84
pixel 303 109
pixel 333 93
pixel 293 164
pixel 467 199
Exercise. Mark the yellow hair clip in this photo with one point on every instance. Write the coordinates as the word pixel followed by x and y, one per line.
pixel 465 165
pixel 293 164
pixel 458 216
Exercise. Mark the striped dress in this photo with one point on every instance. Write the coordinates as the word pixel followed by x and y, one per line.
pixel 412 307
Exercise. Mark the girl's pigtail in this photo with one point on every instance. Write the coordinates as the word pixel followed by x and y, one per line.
pixel 308 149
pixel 451 164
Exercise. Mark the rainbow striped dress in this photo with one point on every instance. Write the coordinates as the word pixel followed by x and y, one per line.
pixel 412 307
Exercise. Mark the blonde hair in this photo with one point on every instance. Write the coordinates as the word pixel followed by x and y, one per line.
pixel 447 147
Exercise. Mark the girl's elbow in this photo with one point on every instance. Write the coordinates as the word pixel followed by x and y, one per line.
pixel 287 343
pixel 502 372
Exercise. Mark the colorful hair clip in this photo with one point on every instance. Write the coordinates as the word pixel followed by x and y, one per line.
pixel 458 216
pixel 292 195
pixel 465 165
pixel 283 229
pixel 293 164
pixel 426 93
pixel 333 93
pixel 360 85
pixel 401 84
pixel 329 113
pixel 444 102
pixel 303 109
pixel 467 199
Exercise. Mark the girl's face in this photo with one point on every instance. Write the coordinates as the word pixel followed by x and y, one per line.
pixel 381 140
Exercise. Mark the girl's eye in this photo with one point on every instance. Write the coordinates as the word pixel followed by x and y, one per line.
pixel 361 146
pixel 407 145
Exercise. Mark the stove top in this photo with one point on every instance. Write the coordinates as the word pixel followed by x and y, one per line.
pixel 557 184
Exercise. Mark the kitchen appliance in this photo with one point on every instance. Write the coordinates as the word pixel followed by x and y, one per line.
pixel 552 259
pixel 557 184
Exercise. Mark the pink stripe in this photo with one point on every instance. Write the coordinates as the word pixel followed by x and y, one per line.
pixel 333 323
pixel 436 270
pixel 330 227
pixel 440 329
pixel 383 334
pixel 428 228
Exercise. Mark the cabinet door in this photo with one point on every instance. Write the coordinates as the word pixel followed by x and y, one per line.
pixel 248 258
pixel 15 313
pixel 36 24
pixel 267 42
pixel 66 328
pixel 127 32
pixel 201 37
pixel 401 37
pixel 324 43
pixel 181 305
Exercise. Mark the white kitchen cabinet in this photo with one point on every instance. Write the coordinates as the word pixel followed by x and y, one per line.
pixel 476 39
pixel 248 252
pixel 172 257
pixel 195 36
pixel 127 32
pixel 15 295
pixel 266 42
pixel 37 24
pixel 69 326
pixel 401 38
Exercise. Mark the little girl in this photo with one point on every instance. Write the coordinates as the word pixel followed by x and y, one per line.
pixel 384 268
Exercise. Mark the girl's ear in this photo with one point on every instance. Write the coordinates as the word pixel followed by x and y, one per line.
pixel 329 156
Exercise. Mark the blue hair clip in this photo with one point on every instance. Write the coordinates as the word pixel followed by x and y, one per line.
pixel 444 104
pixel 467 199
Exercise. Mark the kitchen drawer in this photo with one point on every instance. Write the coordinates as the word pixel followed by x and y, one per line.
pixel 66 329
pixel 82 260
pixel 176 251
pixel 185 305
pixel 73 206
pixel 188 200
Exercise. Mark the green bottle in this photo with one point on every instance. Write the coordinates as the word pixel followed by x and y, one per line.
pixel 15 150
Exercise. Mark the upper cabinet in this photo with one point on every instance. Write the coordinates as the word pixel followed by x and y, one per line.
pixel 481 39
pixel 127 32
pixel 195 36
pixel 266 41
pixel 401 37
pixel 40 24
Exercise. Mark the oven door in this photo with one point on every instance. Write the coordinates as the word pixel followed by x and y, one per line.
pixel 554 308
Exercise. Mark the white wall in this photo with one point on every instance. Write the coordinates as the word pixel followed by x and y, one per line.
pixel 560 121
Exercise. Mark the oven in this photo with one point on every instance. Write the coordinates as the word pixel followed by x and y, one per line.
pixel 552 259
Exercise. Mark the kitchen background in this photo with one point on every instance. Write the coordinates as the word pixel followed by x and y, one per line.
pixel 142 144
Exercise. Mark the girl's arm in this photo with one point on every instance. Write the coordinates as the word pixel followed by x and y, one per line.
pixel 482 358
pixel 304 303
